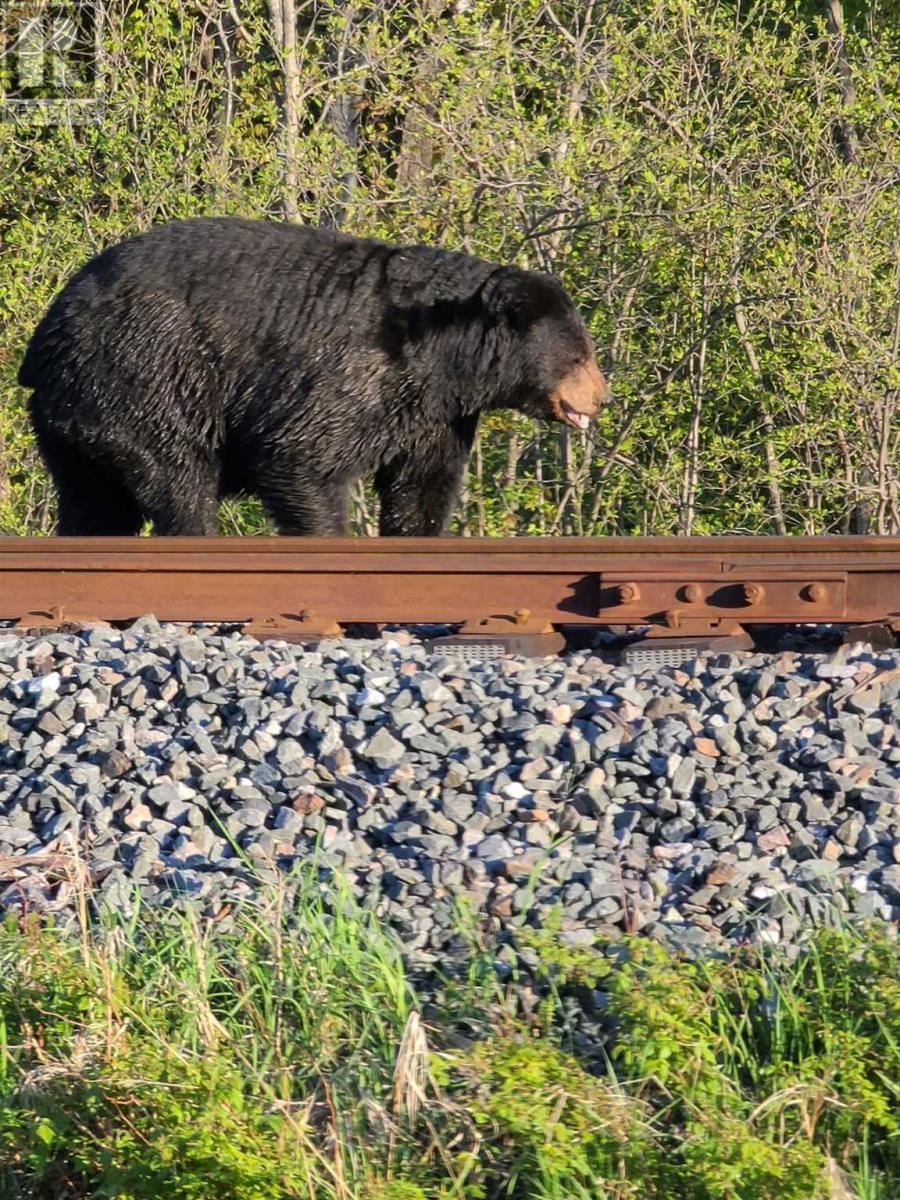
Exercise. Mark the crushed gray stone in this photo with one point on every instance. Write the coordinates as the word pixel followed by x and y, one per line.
pixel 737 798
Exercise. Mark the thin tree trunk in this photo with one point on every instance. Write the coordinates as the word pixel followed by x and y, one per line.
pixel 4 473
pixel 577 93
pixel 416 153
pixel 692 460
pixel 284 22
pixel 344 109
pixel 772 470
pixel 847 137
pixel 230 30
pixel 886 414
pixel 478 458
pixel 539 481
pixel 513 454
pixel 887 460
pixel 848 510
pixel 697 376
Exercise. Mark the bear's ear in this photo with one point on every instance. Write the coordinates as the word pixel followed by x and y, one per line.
pixel 511 296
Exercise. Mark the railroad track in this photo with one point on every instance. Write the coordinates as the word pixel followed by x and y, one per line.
pixel 512 594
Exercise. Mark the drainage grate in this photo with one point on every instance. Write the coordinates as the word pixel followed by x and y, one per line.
pixel 650 658
pixel 470 650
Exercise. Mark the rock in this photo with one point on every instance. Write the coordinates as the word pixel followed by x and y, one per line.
pixel 707 746
pixel 358 791
pixel 775 839
pixel 681 803
pixel 457 808
pixel 138 817
pixel 494 849
pixel 306 803
pixel 115 765
pixel 684 777
pixel 383 749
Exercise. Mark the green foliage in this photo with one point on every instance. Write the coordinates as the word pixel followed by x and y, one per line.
pixel 679 164
pixel 765 1075
pixel 550 1131
pixel 280 1053
pixel 191 1069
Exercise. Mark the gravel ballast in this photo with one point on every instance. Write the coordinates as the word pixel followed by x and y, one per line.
pixel 739 797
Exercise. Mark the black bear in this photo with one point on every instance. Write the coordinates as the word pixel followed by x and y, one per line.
pixel 218 355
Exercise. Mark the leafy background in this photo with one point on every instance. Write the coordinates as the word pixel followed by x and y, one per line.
pixel 717 185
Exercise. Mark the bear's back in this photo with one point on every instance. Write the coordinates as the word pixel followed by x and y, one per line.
pixel 251 279
pixel 208 267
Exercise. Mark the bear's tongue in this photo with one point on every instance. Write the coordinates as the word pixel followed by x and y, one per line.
pixel 579 420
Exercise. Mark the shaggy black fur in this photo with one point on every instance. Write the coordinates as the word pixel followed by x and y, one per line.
pixel 219 355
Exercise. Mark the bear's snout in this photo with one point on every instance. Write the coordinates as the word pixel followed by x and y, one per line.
pixel 577 397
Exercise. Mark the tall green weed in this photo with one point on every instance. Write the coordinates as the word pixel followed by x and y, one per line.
pixel 284 1053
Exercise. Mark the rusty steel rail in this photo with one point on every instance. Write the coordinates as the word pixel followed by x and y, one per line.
pixel 689 587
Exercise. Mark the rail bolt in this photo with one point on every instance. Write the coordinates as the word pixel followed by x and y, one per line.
pixel 692 593
pixel 754 593
pixel 628 593
pixel 815 593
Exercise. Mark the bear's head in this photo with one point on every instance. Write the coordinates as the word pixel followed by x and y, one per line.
pixel 552 370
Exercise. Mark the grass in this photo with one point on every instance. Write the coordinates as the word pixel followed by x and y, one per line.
pixel 286 1054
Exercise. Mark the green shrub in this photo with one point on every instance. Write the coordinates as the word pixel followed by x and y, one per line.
pixel 679 164
pixel 284 1055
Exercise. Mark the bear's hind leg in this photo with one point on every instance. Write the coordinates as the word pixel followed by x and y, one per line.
pixel 89 501
pixel 179 492
pixel 194 513
pixel 301 507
